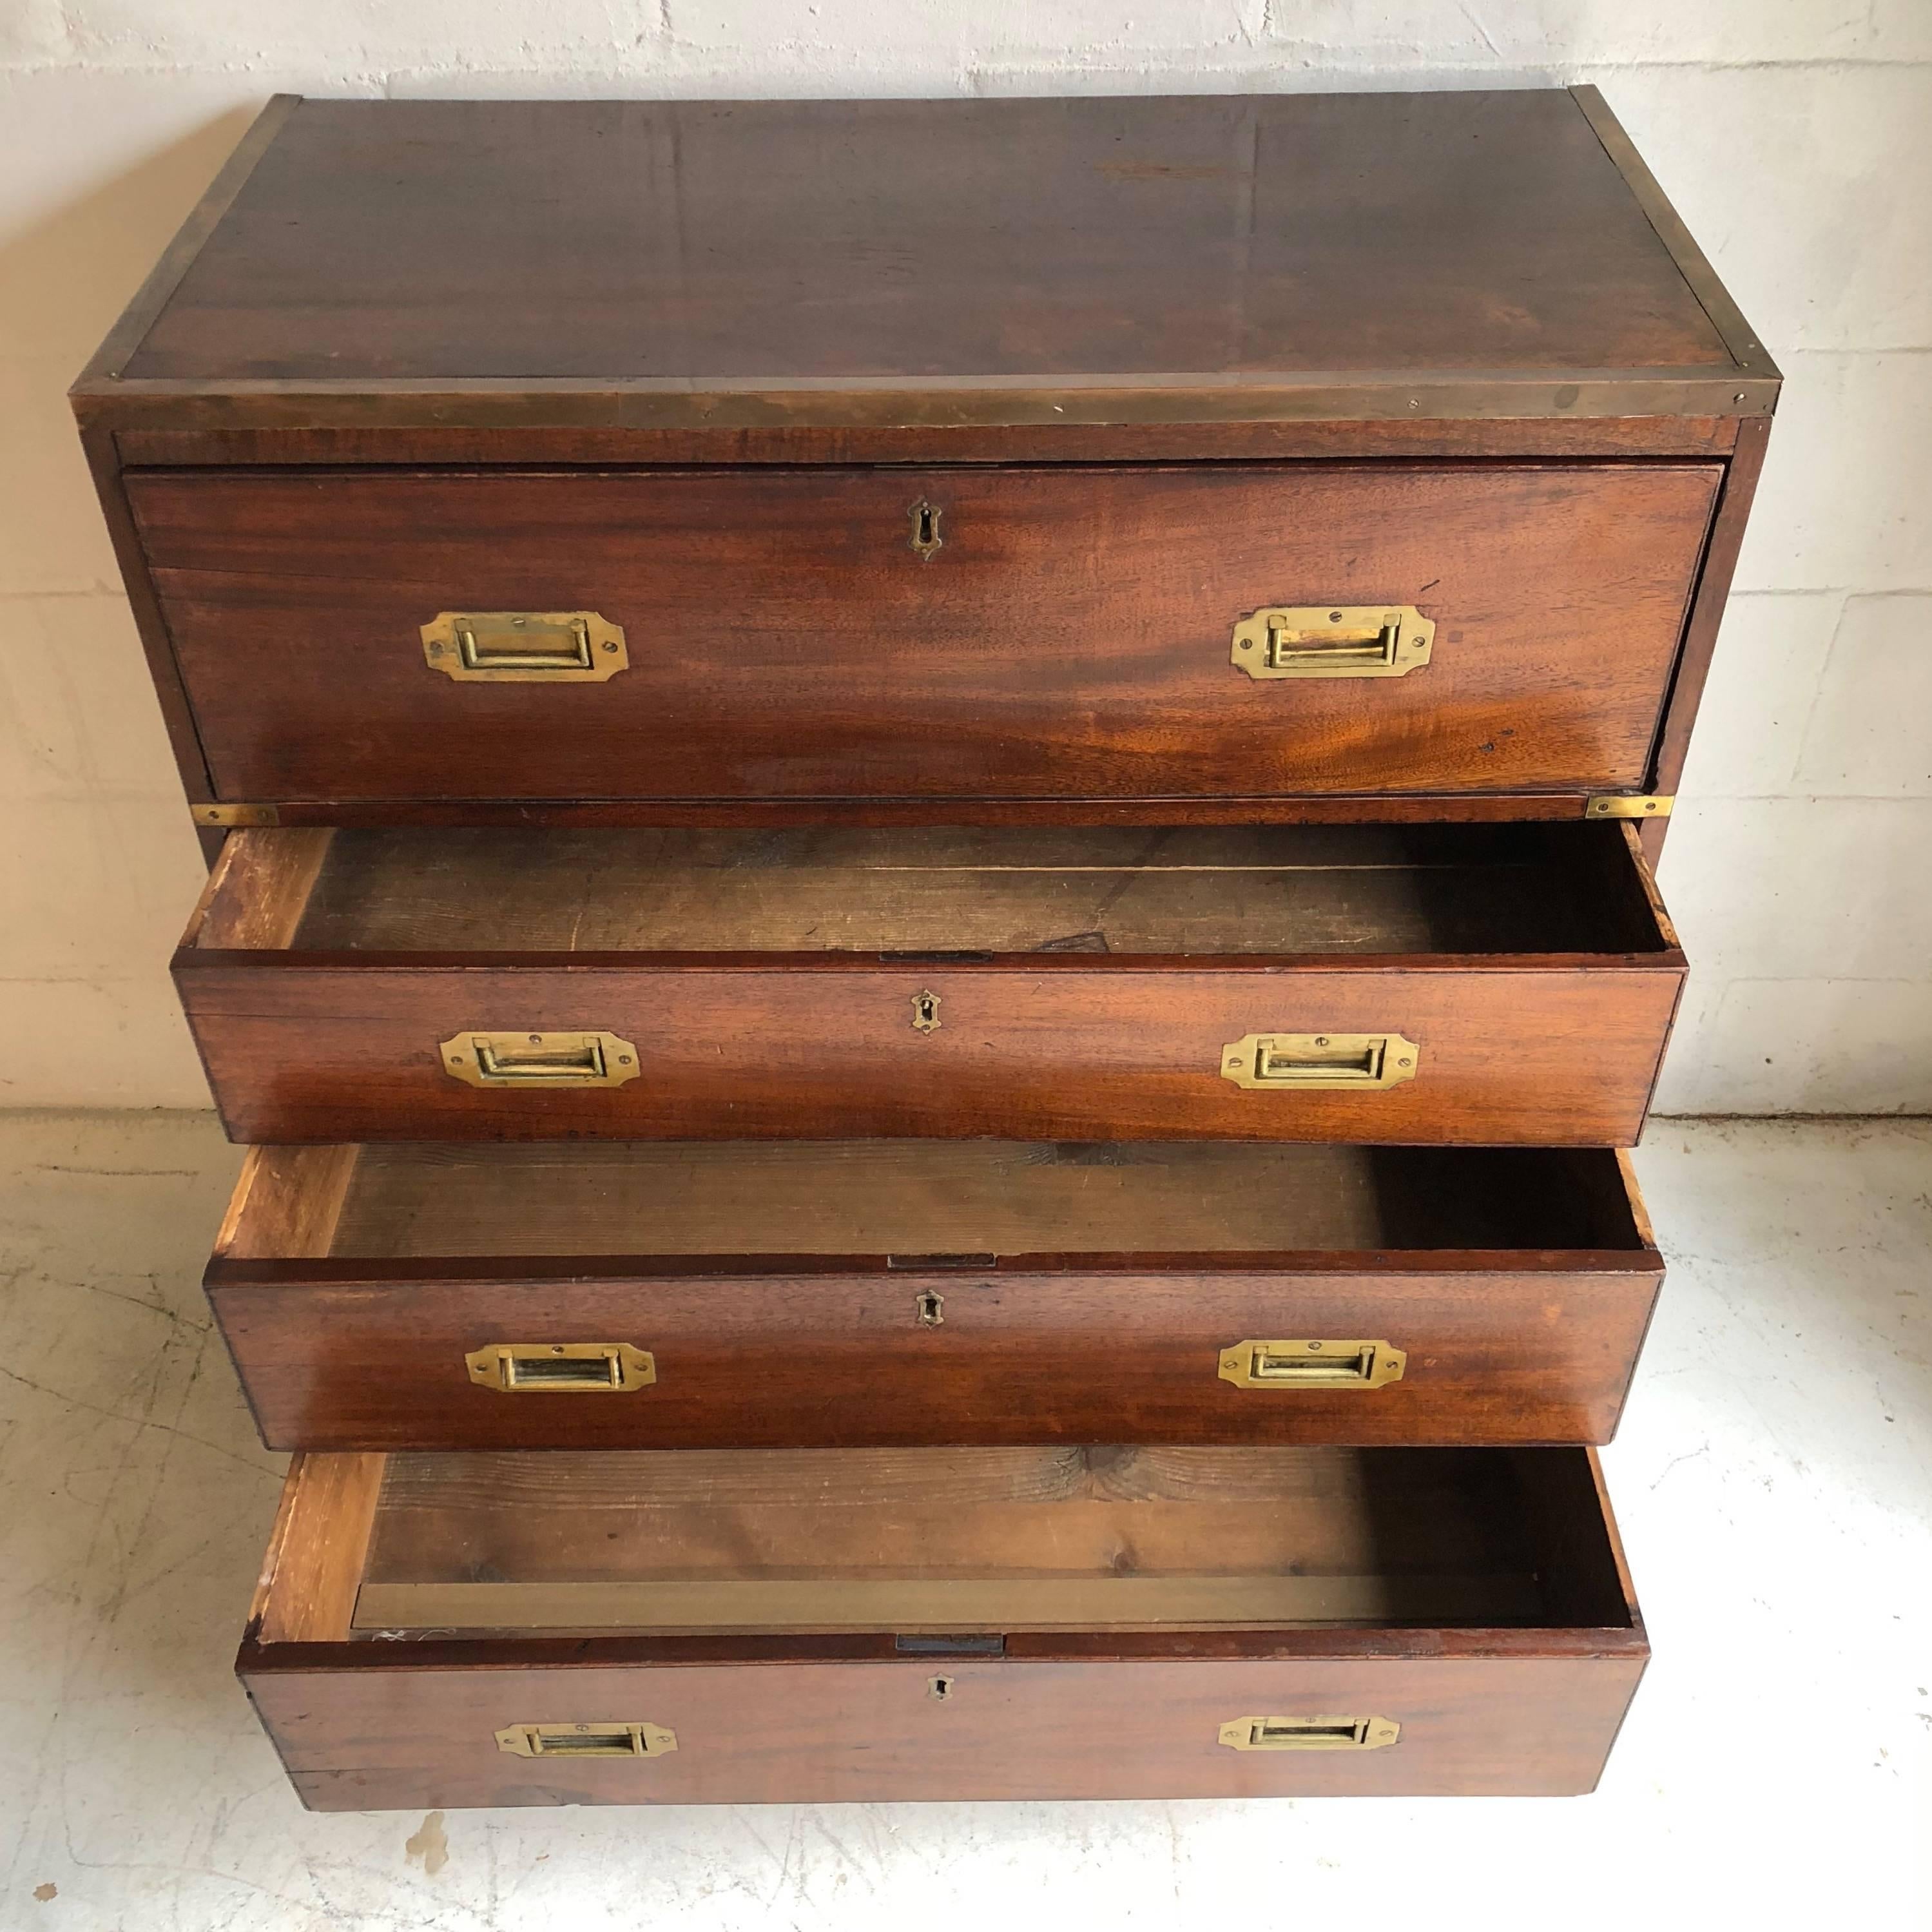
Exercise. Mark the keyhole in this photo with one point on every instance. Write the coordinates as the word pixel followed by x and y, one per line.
pixel 932 1309
pixel 925 1013
pixel 940 1687
pixel 926 537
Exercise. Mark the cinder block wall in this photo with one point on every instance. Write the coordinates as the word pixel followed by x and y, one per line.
pixel 1795 135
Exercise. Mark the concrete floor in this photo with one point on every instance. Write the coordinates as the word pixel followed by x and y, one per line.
pixel 1774 1478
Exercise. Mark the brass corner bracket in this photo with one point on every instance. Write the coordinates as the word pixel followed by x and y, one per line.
pixel 225 817
pixel 1628 804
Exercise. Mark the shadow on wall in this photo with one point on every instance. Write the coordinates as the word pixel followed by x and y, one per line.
pixel 75 269
pixel 80 264
pixel 103 864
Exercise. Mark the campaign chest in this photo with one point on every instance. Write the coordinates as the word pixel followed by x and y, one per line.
pixel 930 907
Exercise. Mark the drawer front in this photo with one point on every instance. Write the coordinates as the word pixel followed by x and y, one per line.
pixel 1525 1355
pixel 401 1738
pixel 1564 1056
pixel 1062 633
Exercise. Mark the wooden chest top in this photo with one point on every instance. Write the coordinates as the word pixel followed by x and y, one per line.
pixel 944 263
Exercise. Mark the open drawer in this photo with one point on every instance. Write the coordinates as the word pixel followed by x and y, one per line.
pixel 748 1626
pixel 1474 984
pixel 719 1293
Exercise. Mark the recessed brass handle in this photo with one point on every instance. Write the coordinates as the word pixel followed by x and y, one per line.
pixel 524 646
pixel 569 1368
pixel 1311 1365
pixel 1370 1062
pixel 587 1740
pixel 538 1059
pixel 1334 641
pixel 1280 1734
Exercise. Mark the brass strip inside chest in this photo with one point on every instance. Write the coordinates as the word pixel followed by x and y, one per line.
pixel 914 1603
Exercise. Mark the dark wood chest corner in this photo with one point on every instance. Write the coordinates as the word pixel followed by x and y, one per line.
pixel 942 350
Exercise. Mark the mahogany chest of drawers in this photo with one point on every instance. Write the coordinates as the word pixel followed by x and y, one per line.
pixel 930 828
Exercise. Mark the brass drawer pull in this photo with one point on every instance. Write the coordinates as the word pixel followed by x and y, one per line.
pixel 538 1059
pixel 1311 1365
pixel 587 1740
pixel 1334 641
pixel 1320 1061
pixel 524 646
pixel 1272 1734
pixel 569 1368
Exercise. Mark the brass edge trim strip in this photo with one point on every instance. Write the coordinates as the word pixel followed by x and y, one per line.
pixel 899 403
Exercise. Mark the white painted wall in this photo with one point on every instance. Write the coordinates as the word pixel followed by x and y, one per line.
pixel 1796 135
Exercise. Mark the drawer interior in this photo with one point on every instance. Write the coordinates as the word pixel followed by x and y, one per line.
pixel 942 1541
pixel 1344 890
pixel 925 1198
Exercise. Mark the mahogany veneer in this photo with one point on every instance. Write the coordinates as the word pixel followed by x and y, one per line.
pixel 1086 984
pixel 898 1292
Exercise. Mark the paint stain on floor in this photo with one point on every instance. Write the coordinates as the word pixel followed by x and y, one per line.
pixel 430 1844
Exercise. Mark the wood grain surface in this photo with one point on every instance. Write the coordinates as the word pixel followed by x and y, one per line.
pixel 374 1734
pixel 1161 890
pixel 937 242
pixel 777 1199
pixel 1071 638
pixel 336 1356
pixel 1063 1040
pixel 1558 1054
pixel 779 1716
pixel 903 1292
pixel 1218 438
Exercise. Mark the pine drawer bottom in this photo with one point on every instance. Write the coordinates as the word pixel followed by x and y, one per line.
pixel 746 1626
